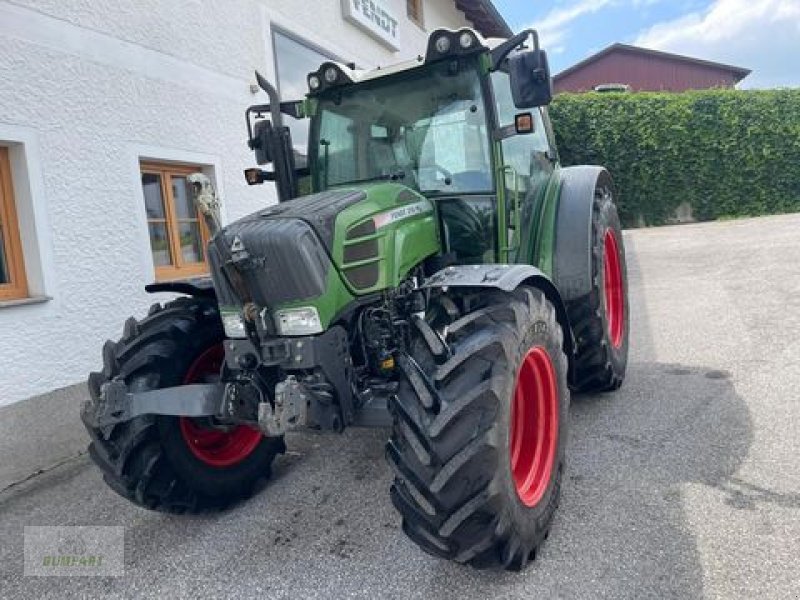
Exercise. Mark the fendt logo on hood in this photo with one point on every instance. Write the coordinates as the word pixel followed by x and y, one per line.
pixel 237 245
pixel 404 212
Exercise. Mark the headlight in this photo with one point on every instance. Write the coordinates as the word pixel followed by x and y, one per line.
pixel 442 44
pixel 331 74
pixel 298 321
pixel 313 83
pixel 233 324
pixel 465 40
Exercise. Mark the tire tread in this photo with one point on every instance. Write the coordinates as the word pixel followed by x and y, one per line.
pixel 130 455
pixel 444 516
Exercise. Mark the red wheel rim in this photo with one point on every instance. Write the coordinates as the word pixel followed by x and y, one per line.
pixel 215 447
pixel 612 285
pixel 534 426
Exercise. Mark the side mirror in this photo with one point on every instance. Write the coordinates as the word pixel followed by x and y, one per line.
pixel 531 85
pixel 261 141
pixel 262 133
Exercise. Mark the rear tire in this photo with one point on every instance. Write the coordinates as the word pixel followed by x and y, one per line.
pixel 600 319
pixel 464 487
pixel 155 461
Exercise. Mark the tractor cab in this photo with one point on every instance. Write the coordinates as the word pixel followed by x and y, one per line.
pixel 462 126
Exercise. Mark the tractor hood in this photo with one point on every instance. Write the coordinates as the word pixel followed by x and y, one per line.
pixel 325 249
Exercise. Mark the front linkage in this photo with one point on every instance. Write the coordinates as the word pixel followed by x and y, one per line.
pixel 282 383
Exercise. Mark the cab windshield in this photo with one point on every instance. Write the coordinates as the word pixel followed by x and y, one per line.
pixel 424 128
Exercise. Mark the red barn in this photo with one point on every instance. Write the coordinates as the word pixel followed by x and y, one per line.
pixel 646 70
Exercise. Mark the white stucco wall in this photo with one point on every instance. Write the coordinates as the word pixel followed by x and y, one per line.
pixel 87 89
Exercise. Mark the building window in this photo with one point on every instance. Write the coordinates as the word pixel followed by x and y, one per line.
pixel 13 284
pixel 178 235
pixel 294 60
pixel 414 11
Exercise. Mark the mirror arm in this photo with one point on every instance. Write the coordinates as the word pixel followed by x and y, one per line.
pixel 274 99
pixel 499 54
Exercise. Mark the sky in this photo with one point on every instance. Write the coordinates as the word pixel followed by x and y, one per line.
pixel 762 35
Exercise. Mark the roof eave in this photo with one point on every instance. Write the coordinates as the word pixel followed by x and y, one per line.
pixel 486 18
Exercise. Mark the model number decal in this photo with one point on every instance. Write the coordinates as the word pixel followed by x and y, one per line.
pixel 404 212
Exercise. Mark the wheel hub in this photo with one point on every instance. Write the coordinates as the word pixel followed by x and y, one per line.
pixel 534 426
pixel 213 446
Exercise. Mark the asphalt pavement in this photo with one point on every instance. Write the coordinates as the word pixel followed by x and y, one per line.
pixel 684 484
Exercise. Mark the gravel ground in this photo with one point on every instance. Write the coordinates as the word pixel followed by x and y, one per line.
pixel 683 484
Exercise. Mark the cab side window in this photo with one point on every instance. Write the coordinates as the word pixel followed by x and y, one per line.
pixel 518 150
pixel 338 152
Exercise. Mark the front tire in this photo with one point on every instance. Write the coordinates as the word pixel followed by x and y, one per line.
pixel 475 480
pixel 175 464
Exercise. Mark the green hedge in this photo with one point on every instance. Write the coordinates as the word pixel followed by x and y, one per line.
pixel 726 152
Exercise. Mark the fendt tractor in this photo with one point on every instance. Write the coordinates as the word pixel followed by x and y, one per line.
pixel 440 276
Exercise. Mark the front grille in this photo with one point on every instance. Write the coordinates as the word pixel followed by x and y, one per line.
pixel 358 249
pixel 361 251
pixel 364 276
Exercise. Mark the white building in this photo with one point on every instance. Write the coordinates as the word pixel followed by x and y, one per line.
pixel 104 106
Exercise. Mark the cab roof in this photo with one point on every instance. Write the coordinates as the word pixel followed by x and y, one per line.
pixel 346 74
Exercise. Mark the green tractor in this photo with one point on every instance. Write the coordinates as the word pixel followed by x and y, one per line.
pixel 442 276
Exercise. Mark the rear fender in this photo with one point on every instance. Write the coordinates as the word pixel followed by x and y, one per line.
pixel 572 259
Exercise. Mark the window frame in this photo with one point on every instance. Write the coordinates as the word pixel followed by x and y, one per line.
pixel 277 30
pixel 17 287
pixel 177 269
pixel 416 15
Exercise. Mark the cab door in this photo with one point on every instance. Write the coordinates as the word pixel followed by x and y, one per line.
pixel 525 169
